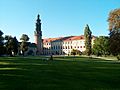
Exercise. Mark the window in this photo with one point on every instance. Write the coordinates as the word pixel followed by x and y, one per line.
pixel 66 47
pixel 51 47
pixel 54 47
pixel 58 47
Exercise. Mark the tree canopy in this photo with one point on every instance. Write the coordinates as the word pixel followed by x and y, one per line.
pixel 114 20
pixel 75 52
pixel 24 38
pixel 114 27
pixel 2 48
pixel 101 46
pixel 11 45
pixel 24 44
pixel 88 38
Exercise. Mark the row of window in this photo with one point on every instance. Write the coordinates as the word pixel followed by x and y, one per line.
pixel 64 43
pixel 64 47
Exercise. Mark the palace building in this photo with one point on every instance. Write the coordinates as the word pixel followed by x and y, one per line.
pixel 60 45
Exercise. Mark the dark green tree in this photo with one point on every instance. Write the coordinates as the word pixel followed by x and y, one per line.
pixel 88 38
pixel 16 45
pixel 101 46
pixel 11 45
pixel 2 48
pixel 75 52
pixel 8 44
pixel 24 44
pixel 114 28
pixel 115 43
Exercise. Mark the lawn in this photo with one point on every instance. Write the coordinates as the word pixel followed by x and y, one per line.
pixel 63 73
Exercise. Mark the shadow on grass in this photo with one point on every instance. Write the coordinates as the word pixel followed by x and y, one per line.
pixel 81 58
pixel 63 73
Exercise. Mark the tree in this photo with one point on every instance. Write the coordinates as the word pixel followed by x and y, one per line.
pixel 24 44
pixel 115 43
pixel 114 20
pixel 101 46
pixel 75 52
pixel 2 48
pixel 8 44
pixel 16 45
pixel 24 38
pixel 114 28
pixel 11 45
pixel 88 38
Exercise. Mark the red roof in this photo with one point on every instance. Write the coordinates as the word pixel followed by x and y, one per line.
pixel 69 38
pixel 75 38
pixel 50 39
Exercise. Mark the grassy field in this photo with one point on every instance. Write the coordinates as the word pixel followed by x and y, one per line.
pixel 63 73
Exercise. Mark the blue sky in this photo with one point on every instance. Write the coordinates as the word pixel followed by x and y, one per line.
pixel 59 17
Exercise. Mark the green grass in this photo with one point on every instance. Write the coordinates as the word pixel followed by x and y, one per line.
pixel 63 73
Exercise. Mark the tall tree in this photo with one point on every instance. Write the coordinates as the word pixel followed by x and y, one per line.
pixel 114 28
pixel 16 45
pixel 101 46
pixel 88 38
pixel 11 45
pixel 24 44
pixel 2 49
pixel 8 44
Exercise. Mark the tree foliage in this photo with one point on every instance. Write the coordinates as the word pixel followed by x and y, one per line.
pixel 114 27
pixel 24 38
pixel 75 52
pixel 88 37
pixel 24 44
pixel 115 43
pixel 16 45
pixel 2 48
pixel 11 45
pixel 114 20
pixel 101 46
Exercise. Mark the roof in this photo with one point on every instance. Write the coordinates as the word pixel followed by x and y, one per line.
pixel 68 38
pixel 50 39
pixel 75 38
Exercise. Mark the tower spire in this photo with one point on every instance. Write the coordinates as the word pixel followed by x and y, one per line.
pixel 38 35
pixel 38 18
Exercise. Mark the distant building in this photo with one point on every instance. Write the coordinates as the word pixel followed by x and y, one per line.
pixel 64 45
pixel 57 46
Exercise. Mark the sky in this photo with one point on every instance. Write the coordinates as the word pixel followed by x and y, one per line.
pixel 59 18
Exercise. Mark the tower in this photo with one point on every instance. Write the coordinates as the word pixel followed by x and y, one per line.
pixel 38 36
